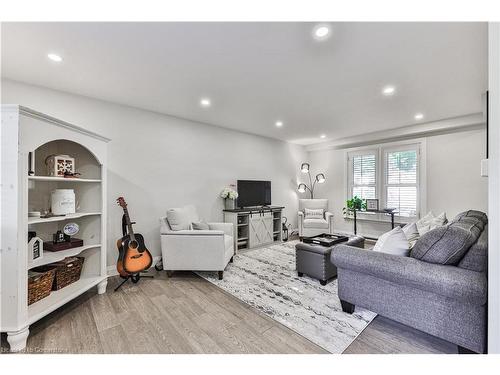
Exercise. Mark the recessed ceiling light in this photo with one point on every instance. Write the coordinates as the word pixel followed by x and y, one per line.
pixel 322 136
pixel 321 32
pixel 279 124
pixel 388 90
pixel 419 116
pixel 54 57
pixel 205 102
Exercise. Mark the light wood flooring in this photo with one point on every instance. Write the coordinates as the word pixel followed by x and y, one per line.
pixel 187 314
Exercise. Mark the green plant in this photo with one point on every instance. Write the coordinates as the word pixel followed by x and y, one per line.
pixel 355 203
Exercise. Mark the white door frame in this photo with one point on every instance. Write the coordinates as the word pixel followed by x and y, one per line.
pixel 494 190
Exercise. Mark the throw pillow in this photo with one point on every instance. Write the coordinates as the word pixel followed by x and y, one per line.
pixel 313 213
pixel 429 222
pixel 424 221
pixel 393 242
pixel 447 244
pixel 411 233
pixel 200 226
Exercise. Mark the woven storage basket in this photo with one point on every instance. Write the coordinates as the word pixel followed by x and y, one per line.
pixel 40 283
pixel 68 271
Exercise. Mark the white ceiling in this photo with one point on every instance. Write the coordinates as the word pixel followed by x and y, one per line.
pixel 258 73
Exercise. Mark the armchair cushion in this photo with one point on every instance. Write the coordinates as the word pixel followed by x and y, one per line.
pixel 315 223
pixel 194 233
pixel 200 226
pixel 181 218
pixel 314 213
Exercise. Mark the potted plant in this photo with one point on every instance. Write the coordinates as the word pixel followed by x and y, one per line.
pixel 229 195
pixel 354 204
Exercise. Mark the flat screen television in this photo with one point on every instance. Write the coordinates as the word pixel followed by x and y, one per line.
pixel 253 193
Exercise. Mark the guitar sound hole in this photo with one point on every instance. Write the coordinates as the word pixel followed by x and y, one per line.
pixel 133 244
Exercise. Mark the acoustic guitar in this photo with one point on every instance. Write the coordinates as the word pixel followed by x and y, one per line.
pixel 133 256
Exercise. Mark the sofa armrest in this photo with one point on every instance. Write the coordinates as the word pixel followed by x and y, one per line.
pixel 194 233
pixel 227 228
pixel 445 280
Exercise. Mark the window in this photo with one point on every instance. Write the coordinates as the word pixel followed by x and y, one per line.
pixel 401 181
pixel 394 181
pixel 364 176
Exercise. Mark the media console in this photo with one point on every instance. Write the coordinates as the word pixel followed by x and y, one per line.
pixel 255 226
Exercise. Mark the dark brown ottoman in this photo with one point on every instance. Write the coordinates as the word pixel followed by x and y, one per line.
pixel 314 260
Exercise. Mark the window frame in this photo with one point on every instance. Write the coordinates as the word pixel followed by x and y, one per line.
pixel 385 185
pixel 380 151
pixel 350 159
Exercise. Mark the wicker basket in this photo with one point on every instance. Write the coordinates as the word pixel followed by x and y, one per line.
pixel 68 271
pixel 40 283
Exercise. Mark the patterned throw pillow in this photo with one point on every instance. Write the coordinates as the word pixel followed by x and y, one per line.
pixel 411 233
pixel 314 213
pixel 429 222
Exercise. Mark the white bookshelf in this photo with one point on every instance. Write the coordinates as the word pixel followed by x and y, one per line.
pixel 62 179
pixel 24 131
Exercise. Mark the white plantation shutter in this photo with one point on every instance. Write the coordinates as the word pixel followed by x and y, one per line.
pixel 401 180
pixel 364 175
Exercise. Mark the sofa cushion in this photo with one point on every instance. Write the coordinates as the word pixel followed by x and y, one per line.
pixel 473 213
pixel 315 223
pixel 314 213
pixel 181 218
pixel 393 242
pixel 446 244
pixel 476 259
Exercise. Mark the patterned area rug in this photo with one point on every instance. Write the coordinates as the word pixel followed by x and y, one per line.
pixel 266 279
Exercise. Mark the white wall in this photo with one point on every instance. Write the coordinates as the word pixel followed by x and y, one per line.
pixel 454 183
pixel 158 161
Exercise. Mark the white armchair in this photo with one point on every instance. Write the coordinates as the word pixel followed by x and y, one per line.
pixel 185 249
pixel 313 226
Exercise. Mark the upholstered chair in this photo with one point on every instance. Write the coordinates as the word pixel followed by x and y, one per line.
pixel 314 225
pixel 186 249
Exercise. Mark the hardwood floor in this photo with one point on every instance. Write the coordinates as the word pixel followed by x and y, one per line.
pixel 187 314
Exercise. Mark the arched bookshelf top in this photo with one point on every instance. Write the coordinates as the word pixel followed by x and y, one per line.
pixel 86 163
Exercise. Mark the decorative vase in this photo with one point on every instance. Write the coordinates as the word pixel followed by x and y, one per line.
pixel 229 204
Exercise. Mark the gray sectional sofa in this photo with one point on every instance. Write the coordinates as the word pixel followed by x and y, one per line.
pixel 441 288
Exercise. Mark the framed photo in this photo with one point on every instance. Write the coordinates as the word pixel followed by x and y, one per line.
pixel 372 205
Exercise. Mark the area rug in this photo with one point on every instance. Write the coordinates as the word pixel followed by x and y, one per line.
pixel 265 278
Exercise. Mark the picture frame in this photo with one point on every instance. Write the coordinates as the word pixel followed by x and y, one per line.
pixel 372 205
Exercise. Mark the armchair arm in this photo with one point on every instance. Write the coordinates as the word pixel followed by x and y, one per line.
pixel 446 280
pixel 300 222
pixel 227 228
pixel 329 219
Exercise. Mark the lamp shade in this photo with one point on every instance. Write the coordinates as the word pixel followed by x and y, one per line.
pixel 304 168
pixel 301 188
pixel 320 177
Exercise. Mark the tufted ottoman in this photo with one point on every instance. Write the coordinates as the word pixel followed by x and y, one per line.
pixel 314 260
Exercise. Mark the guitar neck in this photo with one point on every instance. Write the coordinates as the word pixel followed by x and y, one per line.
pixel 129 223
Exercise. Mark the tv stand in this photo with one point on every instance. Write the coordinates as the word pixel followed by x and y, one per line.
pixel 255 226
